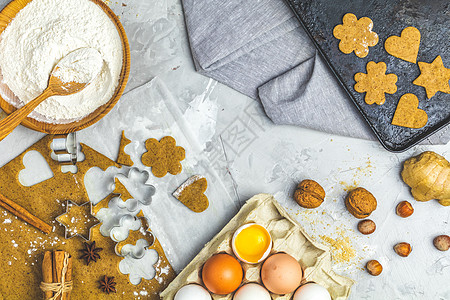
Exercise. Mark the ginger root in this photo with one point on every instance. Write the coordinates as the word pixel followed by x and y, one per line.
pixel 428 175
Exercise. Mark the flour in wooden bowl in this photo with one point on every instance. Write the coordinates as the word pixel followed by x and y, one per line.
pixel 40 35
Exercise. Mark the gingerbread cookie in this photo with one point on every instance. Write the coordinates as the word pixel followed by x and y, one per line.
pixel 163 156
pixel 433 77
pixel 406 46
pixel 355 35
pixel 408 114
pixel 191 193
pixel 375 83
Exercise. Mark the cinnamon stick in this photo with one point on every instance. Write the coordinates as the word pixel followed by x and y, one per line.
pixel 24 215
pixel 66 296
pixel 52 272
pixel 58 263
pixel 47 272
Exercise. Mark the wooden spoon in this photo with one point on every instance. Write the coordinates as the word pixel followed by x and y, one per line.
pixel 70 69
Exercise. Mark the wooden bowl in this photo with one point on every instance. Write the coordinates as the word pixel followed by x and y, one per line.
pixel 8 14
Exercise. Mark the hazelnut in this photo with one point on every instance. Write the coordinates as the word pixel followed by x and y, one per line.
pixel 403 249
pixel 309 194
pixel 404 209
pixel 374 267
pixel 442 242
pixel 366 226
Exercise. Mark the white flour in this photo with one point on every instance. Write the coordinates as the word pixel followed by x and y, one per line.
pixel 81 65
pixel 39 36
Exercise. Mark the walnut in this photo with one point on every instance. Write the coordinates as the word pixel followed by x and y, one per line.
pixel 360 203
pixel 309 194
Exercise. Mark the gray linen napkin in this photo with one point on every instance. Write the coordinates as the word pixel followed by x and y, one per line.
pixel 259 49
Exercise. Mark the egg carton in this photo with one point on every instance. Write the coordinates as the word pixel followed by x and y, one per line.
pixel 287 235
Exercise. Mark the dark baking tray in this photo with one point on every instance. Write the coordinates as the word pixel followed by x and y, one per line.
pixel 432 18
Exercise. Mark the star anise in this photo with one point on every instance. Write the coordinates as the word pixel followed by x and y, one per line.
pixel 90 252
pixel 108 285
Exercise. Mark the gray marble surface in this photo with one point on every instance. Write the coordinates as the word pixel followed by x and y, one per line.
pixel 230 140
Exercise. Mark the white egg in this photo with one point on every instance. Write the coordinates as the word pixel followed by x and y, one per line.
pixel 312 291
pixel 251 291
pixel 192 292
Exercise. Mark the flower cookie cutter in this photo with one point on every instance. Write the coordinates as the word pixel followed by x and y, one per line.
pixel 133 242
pixel 137 181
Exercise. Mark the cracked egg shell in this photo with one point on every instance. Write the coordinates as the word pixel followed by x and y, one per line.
pixel 251 243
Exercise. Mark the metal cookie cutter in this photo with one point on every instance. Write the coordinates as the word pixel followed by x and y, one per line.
pixel 65 148
pixel 90 221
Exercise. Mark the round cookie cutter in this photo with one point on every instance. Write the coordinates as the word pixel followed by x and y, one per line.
pixel 7 15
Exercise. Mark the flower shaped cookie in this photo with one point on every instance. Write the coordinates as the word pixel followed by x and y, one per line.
pixel 375 83
pixel 355 35
pixel 163 156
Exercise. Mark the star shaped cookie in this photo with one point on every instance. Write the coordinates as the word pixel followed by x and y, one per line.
pixel 433 77
pixel 375 83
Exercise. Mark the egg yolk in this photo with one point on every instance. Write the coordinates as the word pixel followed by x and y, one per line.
pixel 252 242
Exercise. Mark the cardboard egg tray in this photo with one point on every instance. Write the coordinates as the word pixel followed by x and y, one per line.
pixel 287 235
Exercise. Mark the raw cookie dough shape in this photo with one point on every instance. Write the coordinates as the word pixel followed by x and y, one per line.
pixel 78 220
pixel 42 200
pixel 408 114
pixel 191 193
pixel 163 156
pixel 124 158
pixel 355 35
pixel 375 83
pixel 406 46
pixel 433 77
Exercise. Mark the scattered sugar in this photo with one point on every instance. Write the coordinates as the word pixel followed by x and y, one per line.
pixel 7 221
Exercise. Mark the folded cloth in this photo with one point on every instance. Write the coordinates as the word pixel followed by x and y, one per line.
pixel 260 49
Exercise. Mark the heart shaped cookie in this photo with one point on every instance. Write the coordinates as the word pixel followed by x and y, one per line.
pixel 408 114
pixel 191 193
pixel 406 46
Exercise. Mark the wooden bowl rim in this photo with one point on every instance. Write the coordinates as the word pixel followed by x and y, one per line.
pixel 9 12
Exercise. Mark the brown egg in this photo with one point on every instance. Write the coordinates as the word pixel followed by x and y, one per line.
pixel 222 274
pixel 281 273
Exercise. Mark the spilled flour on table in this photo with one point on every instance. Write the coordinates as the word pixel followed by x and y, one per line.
pixel 202 115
